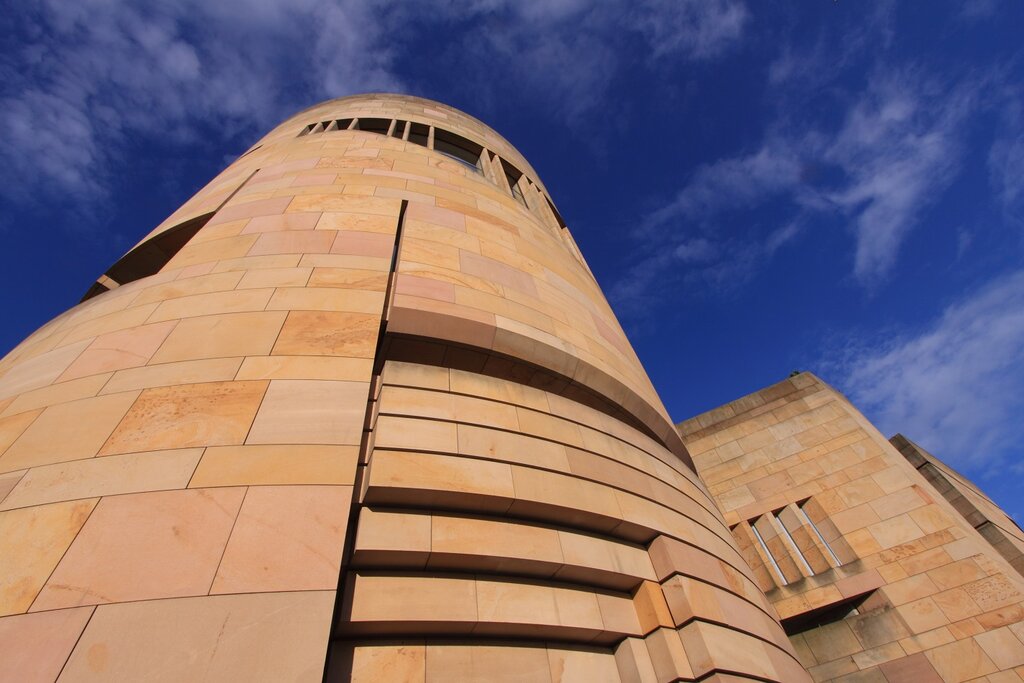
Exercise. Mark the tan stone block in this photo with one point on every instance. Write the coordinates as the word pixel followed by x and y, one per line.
pixel 306 367
pixel 404 401
pixel 235 301
pixel 413 599
pixel 957 573
pixel 424 478
pixel 286 538
pixel 209 414
pixel 427 435
pixel 832 641
pixel 363 222
pixel 8 481
pixel 651 608
pixel 495 545
pixel 724 648
pixel 565 499
pixel 508 602
pixel 405 662
pixel 511 447
pixel 292 242
pixel 58 393
pixel 310 412
pixel 213 282
pixel 386 538
pixel 923 615
pixel 14 426
pixel 34 647
pixel 68 431
pixel 118 350
pixel 582 664
pixel 285 222
pixel 377 206
pixel 484 662
pixel 186 372
pixel 993 592
pixel 592 558
pixel 927 640
pixel 349 278
pixel 269 465
pixel 32 542
pixel 960 661
pixel 355 243
pixel 328 334
pixel 39 371
pixel 670 659
pixel 183 532
pixel 105 476
pixel 231 334
pixel 497 389
pixel 275 277
pixel 894 531
pixel 956 604
pixel 915 668
pixel 326 299
pixel 633 662
pixel 1004 649
pixel 270 636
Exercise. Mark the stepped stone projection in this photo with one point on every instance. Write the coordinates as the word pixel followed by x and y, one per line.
pixel 359 411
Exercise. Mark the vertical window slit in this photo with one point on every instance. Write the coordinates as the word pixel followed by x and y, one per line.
pixel 817 533
pixel 792 542
pixel 771 558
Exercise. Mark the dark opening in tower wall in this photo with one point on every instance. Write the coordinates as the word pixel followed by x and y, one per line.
pixel 149 257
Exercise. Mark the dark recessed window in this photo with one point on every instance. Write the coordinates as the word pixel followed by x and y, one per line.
pixel 379 126
pixel 399 130
pixel 342 124
pixel 513 175
pixel 419 133
pixel 558 216
pixel 459 148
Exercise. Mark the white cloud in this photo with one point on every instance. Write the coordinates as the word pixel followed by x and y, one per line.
pixel 93 75
pixel 1006 171
pixel 897 147
pixel 955 385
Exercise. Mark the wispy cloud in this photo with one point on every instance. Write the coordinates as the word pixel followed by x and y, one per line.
pixel 896 148
pixel 954 385
pixel 91 76
pixel 84 79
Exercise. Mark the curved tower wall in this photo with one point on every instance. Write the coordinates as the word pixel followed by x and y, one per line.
pixel 360 400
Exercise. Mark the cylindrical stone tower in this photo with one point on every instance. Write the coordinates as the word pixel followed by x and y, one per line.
pixel 359 410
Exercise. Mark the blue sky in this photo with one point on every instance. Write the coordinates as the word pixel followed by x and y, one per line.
pixel 759 187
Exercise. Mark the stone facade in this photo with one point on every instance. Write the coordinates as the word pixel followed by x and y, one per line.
pixel 358 410
pixel 874 573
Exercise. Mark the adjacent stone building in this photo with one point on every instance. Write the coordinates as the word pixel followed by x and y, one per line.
pixel 358 410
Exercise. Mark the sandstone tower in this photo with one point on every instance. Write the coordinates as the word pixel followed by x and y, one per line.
pixel 358 410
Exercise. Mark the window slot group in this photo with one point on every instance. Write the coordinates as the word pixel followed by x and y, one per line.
pixel 776 534
pixel 467 153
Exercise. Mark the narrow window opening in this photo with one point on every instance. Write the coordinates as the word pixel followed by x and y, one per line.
pixel 792 542
pixel 419 133
pixel 152 255
pixel 343 124
pixel 513 175
pixel 399 131
pixel 306 130
pixel 771 558
pixel 458 148
pixel 379 126
pixel 817 533
pixel 825 615
pixel 558 216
